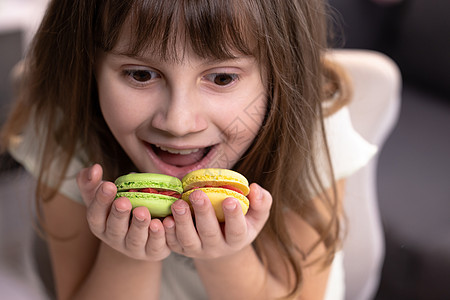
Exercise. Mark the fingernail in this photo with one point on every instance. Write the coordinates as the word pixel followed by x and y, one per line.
pixel 230 205
pixel 169 223
pixel 89 174
pixel 154 227
pixel 258 192
pixel 107 191
pixel 197 201
pixel 179 210
pixel 120 209
pixel 140 218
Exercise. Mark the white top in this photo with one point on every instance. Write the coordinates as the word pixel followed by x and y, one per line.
pixel 349 152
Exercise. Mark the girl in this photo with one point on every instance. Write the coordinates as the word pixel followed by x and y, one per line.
pixel 111 87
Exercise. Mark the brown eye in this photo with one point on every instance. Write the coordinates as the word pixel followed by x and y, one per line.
pixel 222 79
pixel 141 75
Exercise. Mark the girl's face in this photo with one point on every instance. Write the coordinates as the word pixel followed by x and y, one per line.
pixel 174 117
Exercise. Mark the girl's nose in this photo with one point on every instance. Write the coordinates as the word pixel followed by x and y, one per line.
pixel 181 115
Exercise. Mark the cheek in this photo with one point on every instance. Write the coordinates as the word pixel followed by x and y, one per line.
pixel 114 117
pixel 255 108
pixel 255 111
pixel 113 112
pixel 121 115
pixel 243 123
pixel 247 106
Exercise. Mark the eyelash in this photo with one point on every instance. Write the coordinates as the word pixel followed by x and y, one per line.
pixel 212 77
pixel 129 74
pixel 233 77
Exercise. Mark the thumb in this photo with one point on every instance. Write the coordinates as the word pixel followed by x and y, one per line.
pixel 260 204
pixel 89 180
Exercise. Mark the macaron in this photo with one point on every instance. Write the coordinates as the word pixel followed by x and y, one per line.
pixel 218 184
pixel 157 192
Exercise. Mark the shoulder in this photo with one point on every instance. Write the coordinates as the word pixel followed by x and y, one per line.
pixel 27 149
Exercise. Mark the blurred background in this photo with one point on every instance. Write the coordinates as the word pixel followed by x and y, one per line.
pixel 413 174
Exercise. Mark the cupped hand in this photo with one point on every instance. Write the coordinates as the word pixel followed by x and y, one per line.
pixel 109 219
pixel 209 239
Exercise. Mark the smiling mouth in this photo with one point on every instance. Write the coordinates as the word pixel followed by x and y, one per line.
pixel 180 157
pixel 179 162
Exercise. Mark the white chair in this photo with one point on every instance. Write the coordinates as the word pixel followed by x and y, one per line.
pixel 374 112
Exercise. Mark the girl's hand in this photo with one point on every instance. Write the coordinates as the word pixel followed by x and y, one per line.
pixel 109 219
pixel 208 239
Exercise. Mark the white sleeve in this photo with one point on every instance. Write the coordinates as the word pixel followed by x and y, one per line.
pixel 27 150
pixel 349 151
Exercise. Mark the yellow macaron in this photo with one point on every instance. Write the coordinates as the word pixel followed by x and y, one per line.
pixel 218 184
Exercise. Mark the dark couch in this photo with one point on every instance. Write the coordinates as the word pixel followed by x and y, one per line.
pixel 415 33
pixel 11 53
pixel 413 181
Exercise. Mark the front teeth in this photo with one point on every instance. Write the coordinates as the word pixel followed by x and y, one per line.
pixel 178 151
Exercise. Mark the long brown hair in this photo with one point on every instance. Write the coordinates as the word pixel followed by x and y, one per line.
pixel 288 37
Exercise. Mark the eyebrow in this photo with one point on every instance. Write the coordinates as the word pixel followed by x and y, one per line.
pixel 127 54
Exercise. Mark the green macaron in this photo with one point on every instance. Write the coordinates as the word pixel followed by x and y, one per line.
pixel 157 192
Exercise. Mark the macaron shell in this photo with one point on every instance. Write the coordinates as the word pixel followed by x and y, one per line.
pixel 157 204
pixel 215 177
pixel 148 180
pixel 216 196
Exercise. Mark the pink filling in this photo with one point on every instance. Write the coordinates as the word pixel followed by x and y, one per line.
pixel 226 186
pixel 156 191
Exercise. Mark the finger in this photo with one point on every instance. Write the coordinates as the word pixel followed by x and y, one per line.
pixel 170 234
pixel 156 244
pixel 100 207
pixel 235 225
pixel 89 180
pixel 117 222
pixel 208 227
pixel 185 231
pixel 136 238
pixel 260 203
